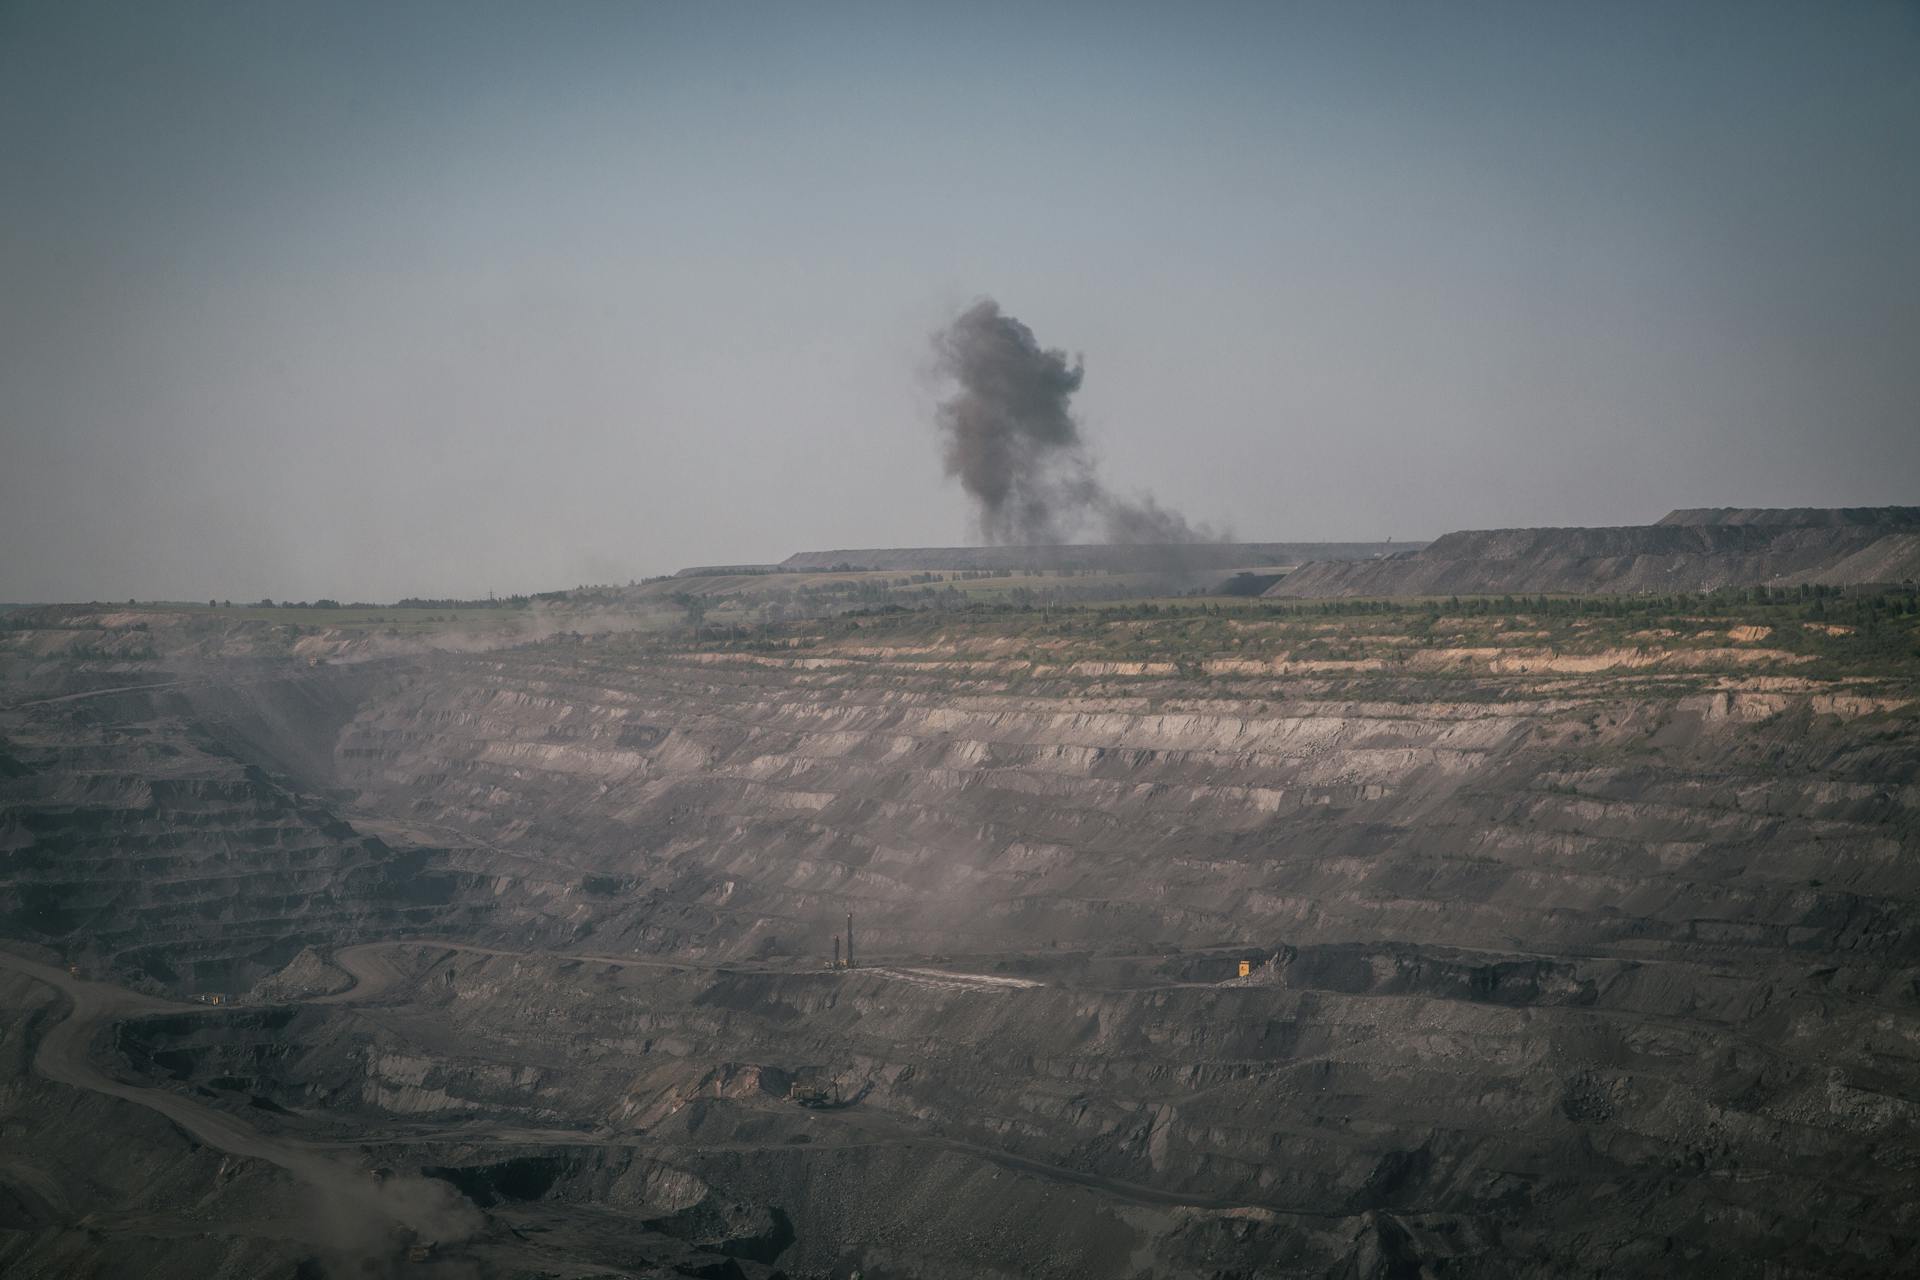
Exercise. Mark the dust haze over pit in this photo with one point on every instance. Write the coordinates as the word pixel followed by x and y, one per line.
pixel 364 302
pixel 1346 927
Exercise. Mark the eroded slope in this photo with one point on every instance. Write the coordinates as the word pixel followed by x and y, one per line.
pixel 1582 942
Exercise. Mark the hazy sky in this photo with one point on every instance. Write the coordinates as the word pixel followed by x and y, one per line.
pixel 376 299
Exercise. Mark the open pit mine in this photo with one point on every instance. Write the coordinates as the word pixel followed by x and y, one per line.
pixel 915 918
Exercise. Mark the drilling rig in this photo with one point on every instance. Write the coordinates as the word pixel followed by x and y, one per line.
pixel 846 961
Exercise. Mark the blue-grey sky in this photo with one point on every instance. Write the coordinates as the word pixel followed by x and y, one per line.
pixel 372 299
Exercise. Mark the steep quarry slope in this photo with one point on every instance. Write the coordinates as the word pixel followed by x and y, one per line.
pixel 155 827
pixel 1686 551
pixel 735 802
pixel 1564 943
pixel 1580 944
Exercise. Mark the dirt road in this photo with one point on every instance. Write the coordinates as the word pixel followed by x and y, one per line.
pixel 374 974
pixel 430 1209
pixel 95 693
pixel 63 1057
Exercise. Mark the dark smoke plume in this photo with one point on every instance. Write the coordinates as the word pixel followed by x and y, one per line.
pixel 1016 447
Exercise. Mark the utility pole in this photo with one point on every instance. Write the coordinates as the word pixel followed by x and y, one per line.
pixel 849 939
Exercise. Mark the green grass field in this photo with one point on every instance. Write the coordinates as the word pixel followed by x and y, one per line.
pixel 1819 635
pixel 375 618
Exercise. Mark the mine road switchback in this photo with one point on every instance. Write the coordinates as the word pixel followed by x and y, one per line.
pixel 64 1056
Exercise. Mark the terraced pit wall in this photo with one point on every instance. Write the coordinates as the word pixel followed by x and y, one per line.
pixel 1582 946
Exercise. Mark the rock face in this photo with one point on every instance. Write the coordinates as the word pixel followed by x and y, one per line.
pixel 155 829
pixel 734 802
pixel 1799 517
pixel 1568 954
pixel 1686 551
pixel 307 975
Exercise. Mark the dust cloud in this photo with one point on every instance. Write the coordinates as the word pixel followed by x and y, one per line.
pixel 1016 447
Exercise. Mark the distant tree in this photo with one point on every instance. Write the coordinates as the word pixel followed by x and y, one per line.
pixel 213 604
pixel 695 606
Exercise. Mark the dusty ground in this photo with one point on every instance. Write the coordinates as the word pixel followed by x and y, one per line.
pixel 1582 944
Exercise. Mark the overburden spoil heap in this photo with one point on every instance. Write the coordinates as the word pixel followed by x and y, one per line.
pixel 1689 550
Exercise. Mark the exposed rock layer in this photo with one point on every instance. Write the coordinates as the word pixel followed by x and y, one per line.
pixel 1686 551
pixel 1564 961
